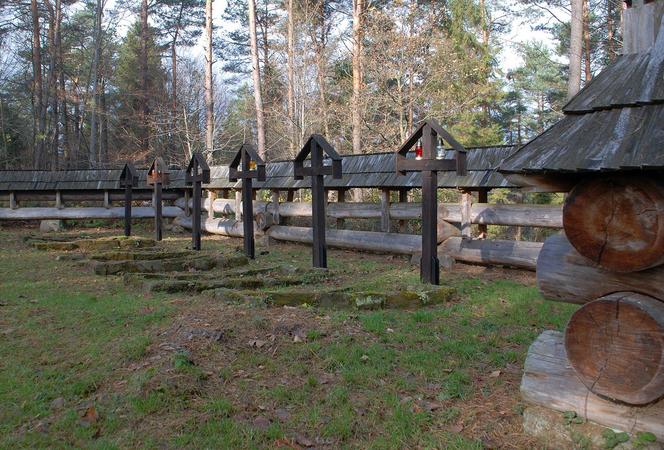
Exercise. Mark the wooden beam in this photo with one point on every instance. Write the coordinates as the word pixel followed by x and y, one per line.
pixel 238 205
pixel 525 215
pixel 50 213
pixel 341 198
pixel 212 195
pixel 186 203
pixel 564 275
pixel 550 381
pixel 275 205
pixel 359 240
pixel 107 199
pixel 224 227
pixel 403 198
pixel 519 254
pixel 483 197
pixel 58 200
pixel 385 210
pixel 13 204
pixel 466 204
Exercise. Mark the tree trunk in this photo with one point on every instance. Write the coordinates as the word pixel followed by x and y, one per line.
pixel 255 69
pixel 103 112
pixel 93 156
pixel 64 114
pixel 37 89
pixel 174 59
pixel 611 52
pixel 145 83
pixel 209 95
pixel 358 24
pixel 616 346
pixel 586 40
pixel 320 66
pixel 52 97
pixel 564 275
pixel 291 79
pixel 617 221
pixel 575 49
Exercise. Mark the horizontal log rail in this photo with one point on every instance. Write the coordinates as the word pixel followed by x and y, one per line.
pixel 224 227
pixel 527 215
pixel 518 254
pixel 140 212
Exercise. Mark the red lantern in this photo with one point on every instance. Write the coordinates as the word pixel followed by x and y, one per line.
pixel 418 150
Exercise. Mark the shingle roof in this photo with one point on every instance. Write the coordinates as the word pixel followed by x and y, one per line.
pixel 363 171
pixel 615 123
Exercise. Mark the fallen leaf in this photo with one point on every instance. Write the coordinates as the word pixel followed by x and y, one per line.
pixel 495 374
pixel 89 416
pixel 365 358
pixel 297 338
pixel 458 428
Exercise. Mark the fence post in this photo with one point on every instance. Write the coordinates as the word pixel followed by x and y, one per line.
pixel 385 210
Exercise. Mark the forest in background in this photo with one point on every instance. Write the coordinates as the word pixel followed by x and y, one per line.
pixel 87 84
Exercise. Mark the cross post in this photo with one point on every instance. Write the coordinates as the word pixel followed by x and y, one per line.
pixel 317 147
pixel 128 180
pixel 158 177
pixel 429 164
pixel 250 166
pixel 198 172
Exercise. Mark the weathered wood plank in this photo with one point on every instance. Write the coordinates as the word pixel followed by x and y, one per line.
pixel 564 275
pixel 224 227
pixel 550 381
pixel 142 212
pixel 520 254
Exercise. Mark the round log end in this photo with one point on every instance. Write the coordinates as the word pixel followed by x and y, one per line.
pixel 616 346
pixel 617 222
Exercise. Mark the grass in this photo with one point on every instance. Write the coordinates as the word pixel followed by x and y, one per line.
pixel 70 340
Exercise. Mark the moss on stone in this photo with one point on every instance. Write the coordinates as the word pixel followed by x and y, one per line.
pixel 438 295
pixel 291 298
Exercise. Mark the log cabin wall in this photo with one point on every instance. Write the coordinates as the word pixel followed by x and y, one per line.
pixel 607 152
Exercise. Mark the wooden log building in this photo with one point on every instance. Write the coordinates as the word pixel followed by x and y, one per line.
pixel 608 153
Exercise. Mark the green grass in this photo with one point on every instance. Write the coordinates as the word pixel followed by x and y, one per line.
pixel 359 379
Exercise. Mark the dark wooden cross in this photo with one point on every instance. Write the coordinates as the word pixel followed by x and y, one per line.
pixel 429 133
pixel 247 166
pixel 198 172
pixel 158 178
pixel 317 147
pixel 128 180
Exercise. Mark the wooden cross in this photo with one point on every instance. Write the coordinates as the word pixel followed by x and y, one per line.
pixel 317 146
pixel 198 172
pixel 250 166
pixel 157 177
pixel 429 133
pixel 128 180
